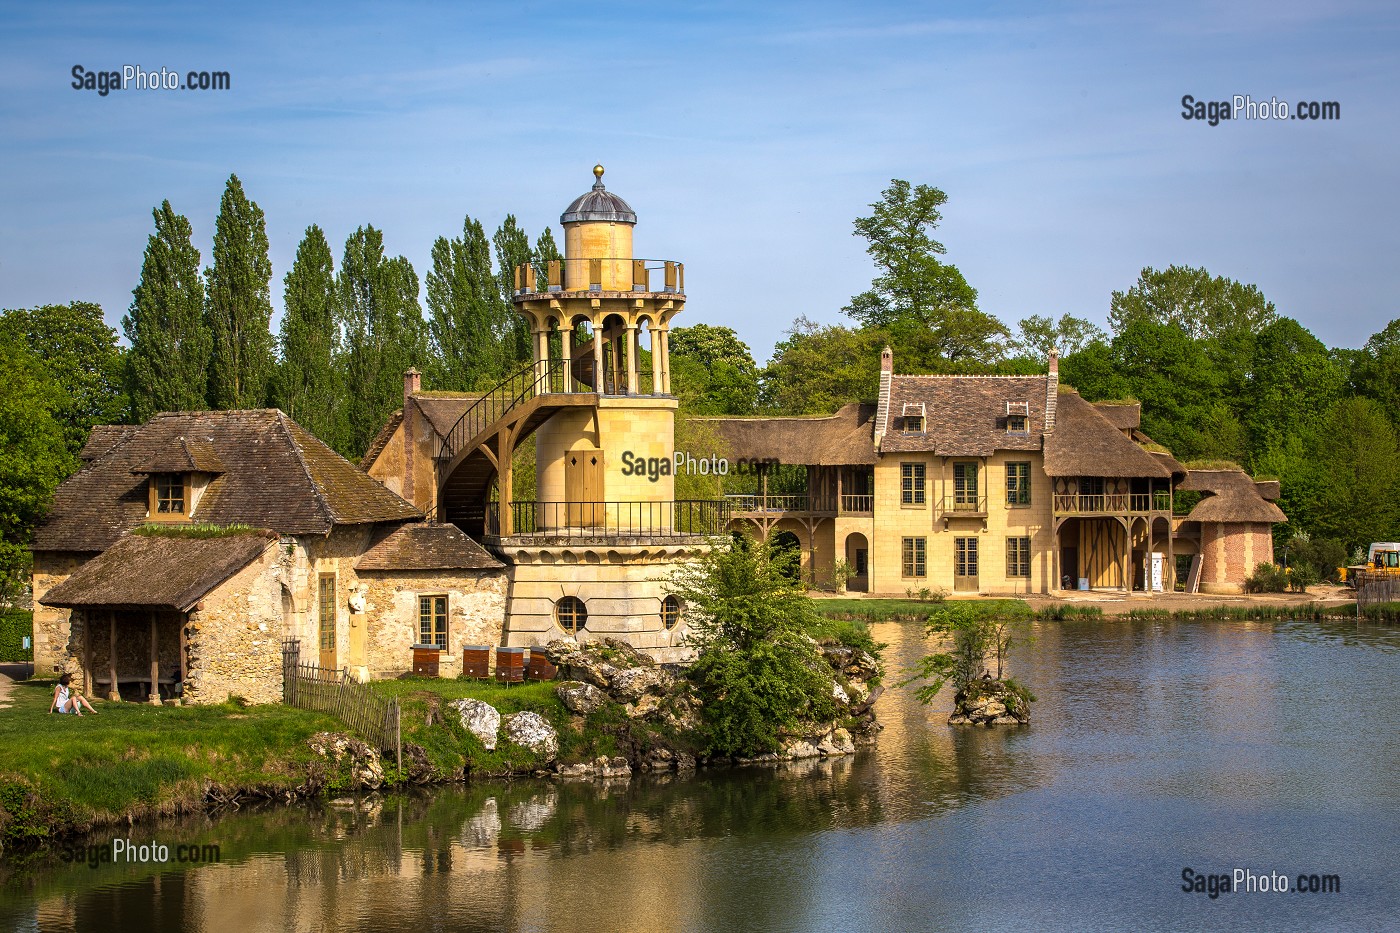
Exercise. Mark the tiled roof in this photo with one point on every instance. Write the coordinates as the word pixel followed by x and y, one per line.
pixel 444 409
pixel 845 438
pixel 1085 443
pixel 159 571
pixel 276 475
pixel 427 547
pixel 381 440
pixel 183 455
pixel 104 437
pixel 965 416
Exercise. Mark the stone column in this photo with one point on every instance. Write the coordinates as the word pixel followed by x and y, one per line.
pixel 598 356
pixel 661 360
pixel 566 342
pixel 632 358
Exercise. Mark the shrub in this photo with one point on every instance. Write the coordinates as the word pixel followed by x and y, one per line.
pixel 1267 578
pixel 1302 575
pixel 982 633
pixel 758 674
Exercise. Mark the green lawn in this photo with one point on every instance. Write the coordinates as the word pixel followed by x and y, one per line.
pixel 63 771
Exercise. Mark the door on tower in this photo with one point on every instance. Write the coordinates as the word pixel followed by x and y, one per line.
pixel 583 487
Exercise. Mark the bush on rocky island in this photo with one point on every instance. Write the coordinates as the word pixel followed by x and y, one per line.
pixel 982 634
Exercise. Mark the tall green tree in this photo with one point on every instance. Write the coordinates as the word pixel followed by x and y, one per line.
pixel 512 247
pixel 712 371
pixel 817 369
pixel 238 304
pixel 34 457
pixel 1354 474
pixel 924 302
pixel 1201 305
pixel 168 365
pixel 466 317
pixel 383 334
pixel 1039 334
pixel 305 384
pixel 1376 372
pixel 1293 383
pixel 79 352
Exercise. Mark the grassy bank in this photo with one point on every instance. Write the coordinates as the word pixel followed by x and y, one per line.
pixel 63 773
pixel 912 610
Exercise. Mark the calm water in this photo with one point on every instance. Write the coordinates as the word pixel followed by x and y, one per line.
pixel 1154 747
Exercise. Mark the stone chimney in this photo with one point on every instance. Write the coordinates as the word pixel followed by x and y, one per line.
pixel 412 383
pixel 1052 390
pixel 882 411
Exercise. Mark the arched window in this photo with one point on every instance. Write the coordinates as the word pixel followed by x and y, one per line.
pixel 670 612
pixel 571 614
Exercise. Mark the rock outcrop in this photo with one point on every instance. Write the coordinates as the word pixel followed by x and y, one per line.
pixel 531 730
pixel 990 702
pixel 357 761
pixel 480 719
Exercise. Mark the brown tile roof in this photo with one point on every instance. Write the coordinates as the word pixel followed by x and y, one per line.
pixel 104 437
pixel 183 455
pixel 842 439
pixel 444 409
pixel 1085 443
pixel 277 475
pixel 1231 496
pixel 159 571
pixel 964 416
pixel 427 547
pixel 381 440
pixel 1124 416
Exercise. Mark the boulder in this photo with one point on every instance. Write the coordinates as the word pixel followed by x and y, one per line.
pixel 631 657
pixel 643 707
pixel 575 663
pixel 989 702
pixel 480 719
pixel 580 698
pixel 800 748
pixel 840 694
pixel 366 771
pixel 531 730
pixel 633 683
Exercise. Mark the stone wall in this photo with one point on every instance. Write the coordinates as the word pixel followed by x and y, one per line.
pixel 476 614
pixel 1229 553
pixel 52 645
pixel 234 637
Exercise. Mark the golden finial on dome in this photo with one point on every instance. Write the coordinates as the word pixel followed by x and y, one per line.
pixel 598 171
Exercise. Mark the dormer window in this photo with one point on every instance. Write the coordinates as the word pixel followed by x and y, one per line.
pixel 914 418
pixel 169 495
pixel 1018 417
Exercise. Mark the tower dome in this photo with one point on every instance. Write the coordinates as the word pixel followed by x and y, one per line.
pixel 599 204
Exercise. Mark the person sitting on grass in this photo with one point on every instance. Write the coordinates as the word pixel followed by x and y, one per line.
pixel 68 700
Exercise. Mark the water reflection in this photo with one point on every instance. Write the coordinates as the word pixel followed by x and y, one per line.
pixel 1154 745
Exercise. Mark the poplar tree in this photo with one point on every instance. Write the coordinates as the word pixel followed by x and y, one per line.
pixel 238 304
pixel 168 366
pixel 382 334
pixel 464 307
pixel 305 383
pixel 512 250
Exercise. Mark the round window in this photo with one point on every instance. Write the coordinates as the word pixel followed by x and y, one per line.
pixel 571 614
pixel 670 612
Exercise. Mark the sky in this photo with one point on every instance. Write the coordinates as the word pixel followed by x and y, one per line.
pixel 747 137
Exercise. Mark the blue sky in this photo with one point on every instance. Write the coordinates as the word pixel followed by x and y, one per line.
pixel 747 137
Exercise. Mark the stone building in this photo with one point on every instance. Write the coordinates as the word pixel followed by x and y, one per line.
pixel 995 485
pixel 591 554
pixel 186 549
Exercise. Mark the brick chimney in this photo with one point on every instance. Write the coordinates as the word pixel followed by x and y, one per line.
pixel 882 410
pixel 412 383
pixel 1052 390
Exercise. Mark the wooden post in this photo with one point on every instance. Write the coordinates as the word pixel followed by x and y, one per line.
pixel 183 663
pixel 112 692
pixel 154 695
pixel 89 616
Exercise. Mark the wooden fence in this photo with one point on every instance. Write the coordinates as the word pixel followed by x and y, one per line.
pixel 1373 588
pixel 309 686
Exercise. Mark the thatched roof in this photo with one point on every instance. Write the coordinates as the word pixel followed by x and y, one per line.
pixel 1086 443
pixel 1231 496
pixel 427 547
pixel 444 409
pixel 843 439
pixel 163 572
pixel 964 416
pixel 276 475
pixel 1125 416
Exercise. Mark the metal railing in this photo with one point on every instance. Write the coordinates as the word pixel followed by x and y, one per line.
pixel 686 518
pixel 534 379
pixel 964 505
pixel 615 383
pixel 310 686
pixel 1100 503
pixel 602 274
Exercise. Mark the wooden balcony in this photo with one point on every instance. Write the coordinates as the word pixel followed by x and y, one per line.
pixel 1134 503
pixel 962 507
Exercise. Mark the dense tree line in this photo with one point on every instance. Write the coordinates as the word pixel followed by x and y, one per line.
pixel 1220 372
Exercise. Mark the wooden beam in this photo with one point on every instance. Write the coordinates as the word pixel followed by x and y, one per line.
pixel 112 692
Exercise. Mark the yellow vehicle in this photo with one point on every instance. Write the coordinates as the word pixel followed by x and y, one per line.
pixel 1383 560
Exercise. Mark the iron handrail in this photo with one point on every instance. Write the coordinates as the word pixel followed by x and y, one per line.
pixel 515 389
pixel 684 518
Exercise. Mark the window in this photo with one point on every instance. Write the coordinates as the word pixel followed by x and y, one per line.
pixel 965 487
pixel 1018 557
pixel 326 613
pixel 964 557
pixel 670 612
pixel 571 614
pixel 432 620
pixel 911 483
pixel 914 424
pixel 1016 424
pixel 1018 484
pixel 169 493
pixel 915 557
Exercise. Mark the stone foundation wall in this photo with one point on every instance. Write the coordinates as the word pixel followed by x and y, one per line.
pixel 235 637
pixel 476 615
pixel 53 651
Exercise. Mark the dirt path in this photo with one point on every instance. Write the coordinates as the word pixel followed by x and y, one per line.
pixel 9 673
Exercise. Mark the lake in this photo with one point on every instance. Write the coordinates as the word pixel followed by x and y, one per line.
pixel 1154 748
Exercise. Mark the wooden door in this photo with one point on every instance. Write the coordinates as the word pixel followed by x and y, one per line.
pixel 583 487
pixel 326 619
pixel 965 564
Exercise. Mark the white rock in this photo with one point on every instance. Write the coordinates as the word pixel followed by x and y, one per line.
pixel 480 719
pixel 531 730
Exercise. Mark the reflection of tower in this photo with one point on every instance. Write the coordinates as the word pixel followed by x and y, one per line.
pixel 605 530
